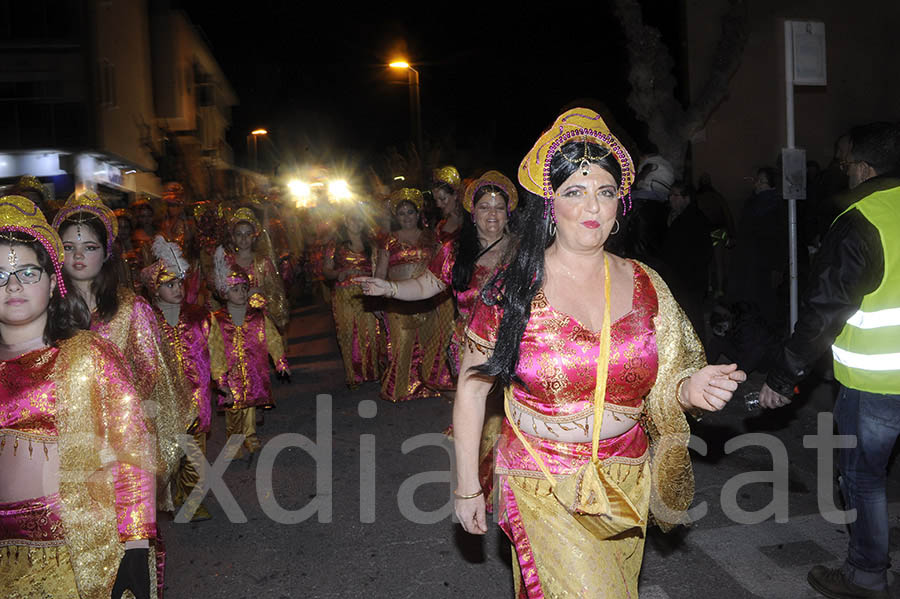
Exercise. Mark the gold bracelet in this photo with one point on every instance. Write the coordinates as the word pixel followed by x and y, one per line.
pixel 470 496
pixel 678 394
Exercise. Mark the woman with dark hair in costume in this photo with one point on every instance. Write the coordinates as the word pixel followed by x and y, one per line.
pixel 405 255
pixel 358 329
pixel 77 508
pixel 598 363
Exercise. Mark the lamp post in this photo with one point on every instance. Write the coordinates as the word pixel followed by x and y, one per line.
pixel 254 135
pixel 415 102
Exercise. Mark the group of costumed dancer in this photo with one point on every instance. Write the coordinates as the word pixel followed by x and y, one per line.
pixel 573 368
pixel 97 381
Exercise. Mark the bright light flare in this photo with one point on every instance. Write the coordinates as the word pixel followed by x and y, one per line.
pixel 399 178
pixel 298 188
pixel 399 64
pixel 259 132
pixel 339 190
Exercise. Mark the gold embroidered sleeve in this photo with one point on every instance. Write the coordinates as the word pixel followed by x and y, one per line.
pixel 273 290
pixel 680 355
pixel 275 346
pixel 217 361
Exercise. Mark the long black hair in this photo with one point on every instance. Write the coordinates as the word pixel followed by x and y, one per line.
pixel 65 315
pixel 468 245
pixel 105 285
pixel 514 287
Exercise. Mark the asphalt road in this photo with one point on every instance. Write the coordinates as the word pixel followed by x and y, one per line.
pixel 351 499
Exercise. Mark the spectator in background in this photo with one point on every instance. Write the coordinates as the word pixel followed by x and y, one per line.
pixel 760 260
pixel 687 252
pixel 714 206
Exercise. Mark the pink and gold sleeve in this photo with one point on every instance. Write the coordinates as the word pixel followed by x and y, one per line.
pixel 441 265
pixel 481 334
pixel 275 346
pixel 133 453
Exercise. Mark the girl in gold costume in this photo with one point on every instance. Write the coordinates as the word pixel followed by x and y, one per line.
pixel 77 509
pixel 598 363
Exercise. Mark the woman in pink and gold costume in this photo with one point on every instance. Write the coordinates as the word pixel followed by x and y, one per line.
pixel 405 255
pixel 77 508
pixel 598 363
pixel 249 337
pixel 196 342
pixel 359 332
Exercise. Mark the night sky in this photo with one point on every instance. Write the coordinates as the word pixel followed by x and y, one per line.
pixel 491 79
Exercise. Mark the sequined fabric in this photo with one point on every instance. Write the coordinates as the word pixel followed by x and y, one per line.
pixel 189 341
pixel 27 400
pixel 95 391
pixel 359 332
pixel 38 573
pixel 264 275
pixel 247 349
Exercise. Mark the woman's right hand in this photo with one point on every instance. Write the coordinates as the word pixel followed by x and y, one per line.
pixel 471 514
pixel 373 286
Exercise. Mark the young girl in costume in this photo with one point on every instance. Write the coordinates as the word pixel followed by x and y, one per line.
pixel 192 332
pixel 76 459
pixel 249 336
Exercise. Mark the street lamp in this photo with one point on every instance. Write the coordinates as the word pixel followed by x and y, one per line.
pixel 415 103
pixel 254 135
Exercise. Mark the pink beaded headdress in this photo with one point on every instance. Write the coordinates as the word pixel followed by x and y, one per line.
pixel 577 124
pixel 90 203
pixel 497 179
pixel 19 214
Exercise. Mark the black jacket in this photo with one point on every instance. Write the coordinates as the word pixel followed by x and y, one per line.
pixel 848 266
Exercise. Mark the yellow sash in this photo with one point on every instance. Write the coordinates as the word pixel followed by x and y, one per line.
pixel 595 500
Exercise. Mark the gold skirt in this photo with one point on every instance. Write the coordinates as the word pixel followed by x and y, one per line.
pixel 37 573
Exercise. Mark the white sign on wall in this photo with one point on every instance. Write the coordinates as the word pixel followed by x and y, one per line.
pixel 808 41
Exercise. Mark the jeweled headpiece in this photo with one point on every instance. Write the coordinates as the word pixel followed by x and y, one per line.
pixel 173 193
pixel 19 214
pixel 577 124
pixel 31 182
pixel 407 194
pixel 244 215
pixel 170 264
pixel 497 179
pixel 448 175
pixel 90 203
pixel 227 272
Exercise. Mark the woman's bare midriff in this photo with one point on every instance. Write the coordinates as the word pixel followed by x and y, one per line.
pixel 29 469
pixel 578 430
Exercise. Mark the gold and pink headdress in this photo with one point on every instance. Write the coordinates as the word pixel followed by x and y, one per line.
pixel 227 272
pixel 89 203
pixel 21 215
pixel 407 194
pixel 577 124
pixel 245 215
pixel 169 265
pixel 491 178
pixel 447 174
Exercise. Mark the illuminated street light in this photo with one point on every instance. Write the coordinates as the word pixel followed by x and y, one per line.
pixel 415 102
pixel 254 136
pixel 298 188
pixel 259 132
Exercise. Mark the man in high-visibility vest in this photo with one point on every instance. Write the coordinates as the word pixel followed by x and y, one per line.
pixel 852 303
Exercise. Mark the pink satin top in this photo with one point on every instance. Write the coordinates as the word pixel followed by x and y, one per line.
pixel 189 341
pixel 558 356
pixel 441 266
pixel 345 259
pixel 28 410
pixel 444 236
pixel 400 252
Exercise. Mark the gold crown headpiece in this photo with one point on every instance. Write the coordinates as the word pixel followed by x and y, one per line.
pixel 497 179
pixel 19 214
pixel 577 124
pixel 447 174
pixel 407 194
pixel 173 193
pixel 244 215
pixel 90 203
pixel 31 182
